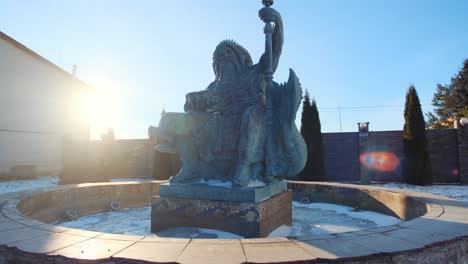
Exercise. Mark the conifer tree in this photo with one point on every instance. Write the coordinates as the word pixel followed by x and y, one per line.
pixel 450 101
pixel 314 169
pixel 416 164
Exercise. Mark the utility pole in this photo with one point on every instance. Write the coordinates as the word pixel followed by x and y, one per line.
pixel 339 114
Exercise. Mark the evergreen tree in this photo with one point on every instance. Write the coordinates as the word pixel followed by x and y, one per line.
pixel 416 165
pixel 314 169
pixel 450 101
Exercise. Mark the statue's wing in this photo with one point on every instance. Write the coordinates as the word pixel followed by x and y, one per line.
pixel 287 152
pixel 286 99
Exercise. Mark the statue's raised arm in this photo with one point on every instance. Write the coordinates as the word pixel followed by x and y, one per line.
pixel 269 14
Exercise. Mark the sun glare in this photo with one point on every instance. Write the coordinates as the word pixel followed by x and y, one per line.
pixel 99 108
pixel 382 161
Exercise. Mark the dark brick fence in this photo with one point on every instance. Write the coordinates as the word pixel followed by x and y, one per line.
pixel 345 155
pixel 346 158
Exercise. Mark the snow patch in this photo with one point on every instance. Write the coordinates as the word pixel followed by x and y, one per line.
pixel 256 184
pixel 193 232
pixel 219 234
pixel 308 219
pixel 228 184
pixel 134 221
pixel 217 183
pixel 130 180
pixel 377 218
pixel 455 191
pixel 282 231
pixel 16 186
pixel 322 218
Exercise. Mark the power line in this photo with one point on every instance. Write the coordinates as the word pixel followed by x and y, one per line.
pixel 361 107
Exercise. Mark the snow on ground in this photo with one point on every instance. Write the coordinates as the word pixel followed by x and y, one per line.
pixel 16 186
pixel 322 218
pixel 224 184
pixel 193 232
pixel 228 184
pixel 137 222
pixel 308 219
pixel 458 192
pixel 130 180
pixel 134 221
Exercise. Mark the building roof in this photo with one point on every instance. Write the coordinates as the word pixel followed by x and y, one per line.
pixel 37 56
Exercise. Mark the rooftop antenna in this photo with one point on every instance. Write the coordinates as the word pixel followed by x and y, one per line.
pixel 74 69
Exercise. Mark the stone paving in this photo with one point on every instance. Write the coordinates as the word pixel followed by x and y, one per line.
pixel 446 220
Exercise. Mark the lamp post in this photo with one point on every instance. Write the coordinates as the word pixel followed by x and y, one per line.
pixel 363 128
pixel 364 173
pixel 464 121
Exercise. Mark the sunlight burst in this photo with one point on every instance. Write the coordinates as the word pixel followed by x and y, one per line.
pixel 99 107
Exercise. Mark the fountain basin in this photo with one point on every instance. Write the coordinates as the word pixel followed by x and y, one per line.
pixel 435 228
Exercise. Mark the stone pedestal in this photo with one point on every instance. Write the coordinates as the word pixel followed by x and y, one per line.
pixel 219 191
pixel 256 217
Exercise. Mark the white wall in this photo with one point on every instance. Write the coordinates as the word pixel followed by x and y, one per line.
pixel 38 106
pixel 44 151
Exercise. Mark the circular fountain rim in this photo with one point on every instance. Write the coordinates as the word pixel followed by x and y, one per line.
pixel 441 210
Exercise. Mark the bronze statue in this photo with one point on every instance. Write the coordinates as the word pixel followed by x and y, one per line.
pixel 241 128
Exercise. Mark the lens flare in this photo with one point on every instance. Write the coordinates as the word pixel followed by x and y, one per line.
pixel 381 161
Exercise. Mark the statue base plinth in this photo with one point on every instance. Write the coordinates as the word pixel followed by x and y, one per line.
pixel 218 192
pixel 247 219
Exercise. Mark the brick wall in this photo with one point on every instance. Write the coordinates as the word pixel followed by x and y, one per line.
pixel 100 161
pixel 342 155
pixel 128 158
pixel 443 152
pixel 462 136
pixel 390 142
pixel 134 158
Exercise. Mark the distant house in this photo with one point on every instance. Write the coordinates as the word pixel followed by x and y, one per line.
pixel 38 109
pixel 451 122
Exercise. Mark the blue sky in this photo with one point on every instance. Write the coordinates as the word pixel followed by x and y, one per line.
pixel 146 55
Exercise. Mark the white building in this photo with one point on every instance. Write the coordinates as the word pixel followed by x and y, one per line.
pixel 38 107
